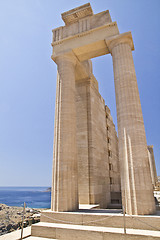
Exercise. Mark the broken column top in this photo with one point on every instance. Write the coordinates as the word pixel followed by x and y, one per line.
pixel 75 14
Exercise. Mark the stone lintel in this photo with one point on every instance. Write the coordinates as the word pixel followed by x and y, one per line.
pixel 103 28
pixel 77 13
pixel 67 55
pixel 118 39
pixel 89 44
pixel 83 69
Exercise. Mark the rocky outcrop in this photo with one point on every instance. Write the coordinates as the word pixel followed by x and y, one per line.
pixel 11 218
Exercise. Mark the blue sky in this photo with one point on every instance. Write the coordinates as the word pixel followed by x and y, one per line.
pixel 28 80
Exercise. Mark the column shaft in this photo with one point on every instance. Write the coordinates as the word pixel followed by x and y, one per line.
pixel 137 192
pixel 65 186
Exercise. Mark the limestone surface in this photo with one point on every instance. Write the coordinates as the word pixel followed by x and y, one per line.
pixel 91 165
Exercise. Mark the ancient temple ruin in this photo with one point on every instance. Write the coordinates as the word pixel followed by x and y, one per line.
pixel 90 164
pixel 92 167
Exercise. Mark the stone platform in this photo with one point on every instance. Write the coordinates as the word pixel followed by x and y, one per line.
pixel 103 218
pixel 91 224
pixel 81 232
pixel 96 224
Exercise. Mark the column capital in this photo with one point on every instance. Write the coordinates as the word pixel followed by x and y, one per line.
pixel 119 39
pixel 65 56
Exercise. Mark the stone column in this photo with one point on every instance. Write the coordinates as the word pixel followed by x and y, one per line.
pixel 65 175
pixel 152 165
pixel 137 191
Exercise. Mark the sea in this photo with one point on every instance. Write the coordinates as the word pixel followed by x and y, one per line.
pixel 34 197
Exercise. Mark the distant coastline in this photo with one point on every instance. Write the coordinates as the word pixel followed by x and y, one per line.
pixel 35 197
pixel 11 206
pixel 48 189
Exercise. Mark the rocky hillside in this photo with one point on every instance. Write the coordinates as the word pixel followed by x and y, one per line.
pixel 11 218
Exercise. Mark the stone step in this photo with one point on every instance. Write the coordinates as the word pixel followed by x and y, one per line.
pixel 102 218
pixel 89 206
pixel 16 235
pixel 81 232
pixel 38 238
pixel 114 206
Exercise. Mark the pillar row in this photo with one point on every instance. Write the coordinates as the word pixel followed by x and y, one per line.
pixel 137 191
pixel 65 174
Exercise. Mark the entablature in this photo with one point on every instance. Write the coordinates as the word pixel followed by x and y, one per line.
pixel 81 25
pixel 88 35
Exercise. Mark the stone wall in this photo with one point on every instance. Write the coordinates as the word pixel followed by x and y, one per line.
pixel 93 166
pixel 97 142
pixel 114 168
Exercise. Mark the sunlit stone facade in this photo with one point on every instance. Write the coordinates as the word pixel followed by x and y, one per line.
pixel 90 164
